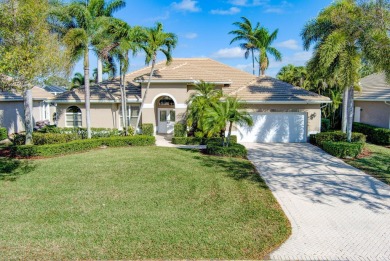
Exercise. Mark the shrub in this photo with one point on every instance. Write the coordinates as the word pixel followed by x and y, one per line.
pixel 187 140
pixel 82 132
pixel 343 149
pixel 234 150
pixel 374 134
pixel 180 130
pixel 325 125
pixel 147 129
pixel 3 133
pixel 80 145
pixel 45 138
pixel 335 136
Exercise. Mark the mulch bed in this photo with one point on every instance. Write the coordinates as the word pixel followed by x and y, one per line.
pixel 5 152
pixel 365 153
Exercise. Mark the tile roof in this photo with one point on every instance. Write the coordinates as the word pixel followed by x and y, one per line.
pixel 374 87
pixel 192 70
pixel 266 89
pixel 37 93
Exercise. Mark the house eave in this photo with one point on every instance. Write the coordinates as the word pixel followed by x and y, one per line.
pixel 286 102
pixel 182 81
pixel 94 101
pixel 372 100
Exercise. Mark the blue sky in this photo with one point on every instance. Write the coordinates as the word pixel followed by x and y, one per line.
pixel 202 27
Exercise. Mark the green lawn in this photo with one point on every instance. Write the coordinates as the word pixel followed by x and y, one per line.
pixel 377 164
pixel 133 203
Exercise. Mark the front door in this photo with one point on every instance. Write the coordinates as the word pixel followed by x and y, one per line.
pixel 166 120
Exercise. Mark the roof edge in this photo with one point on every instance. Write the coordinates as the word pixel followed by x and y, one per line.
pixel 287 102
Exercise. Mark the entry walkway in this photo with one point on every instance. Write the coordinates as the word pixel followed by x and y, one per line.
pixel 336 211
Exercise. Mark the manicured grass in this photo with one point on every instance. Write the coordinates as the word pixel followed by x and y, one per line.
pixel 377 164
pixel 134 203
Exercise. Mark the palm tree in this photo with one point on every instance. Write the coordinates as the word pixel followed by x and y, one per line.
pixel 156 40
pixel 121 39
pixel 108 68
pixel 198 103
pixel 286 74
pixel 228 111
pixel 337 51
pixel 263 42
pixel 77 80
pixel 246 33
pixel 78 23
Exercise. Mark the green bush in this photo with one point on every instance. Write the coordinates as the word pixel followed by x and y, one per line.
pixel 80 145
pixel 82 132
pixel 343 149
pixel 233 150
pixel 187 140
pixel 147 129
pixel 3 133
pixel 320 138
pixel 374 134
pixel 325 125
pixel 200 141
pixel 180 130
pixel 45 138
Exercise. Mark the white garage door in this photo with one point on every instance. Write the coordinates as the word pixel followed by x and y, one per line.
pixel 275 127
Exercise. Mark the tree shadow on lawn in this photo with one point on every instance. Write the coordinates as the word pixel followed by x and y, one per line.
pixel 11 169
pixel 237 169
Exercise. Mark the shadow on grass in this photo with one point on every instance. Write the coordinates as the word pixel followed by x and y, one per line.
pixel 237 169
pixel 11 169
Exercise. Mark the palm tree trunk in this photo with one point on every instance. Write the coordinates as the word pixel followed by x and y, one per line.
pixel 123 105
pixel 28 118
pixel 229 133
pixel 345 110
pixel 99 70
pixel 87 92
pixel 125 102
pixel 146 91
pixel 253 61
pixel 350 114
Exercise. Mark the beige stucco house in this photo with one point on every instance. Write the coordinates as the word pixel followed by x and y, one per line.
pixel 12 109
pixel 281 112
pixel 372 103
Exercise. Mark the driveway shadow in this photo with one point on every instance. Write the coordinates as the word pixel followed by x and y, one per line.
pixel 311 174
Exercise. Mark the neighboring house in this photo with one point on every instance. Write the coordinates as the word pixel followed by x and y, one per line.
pixel 281 112
pixel 12 109
pixel 372 104
pixel 55 89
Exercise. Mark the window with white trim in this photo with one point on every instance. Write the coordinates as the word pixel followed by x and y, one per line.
pixel 73 117
pixel 132 115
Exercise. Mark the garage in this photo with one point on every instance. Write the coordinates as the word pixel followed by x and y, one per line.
pixel 275 127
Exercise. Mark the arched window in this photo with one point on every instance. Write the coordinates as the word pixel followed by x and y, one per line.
pixel 166 100
pixel 73 117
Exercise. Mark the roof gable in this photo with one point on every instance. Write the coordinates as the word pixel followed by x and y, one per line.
pixel 374 87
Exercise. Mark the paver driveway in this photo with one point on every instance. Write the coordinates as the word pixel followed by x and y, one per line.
pixel 336 211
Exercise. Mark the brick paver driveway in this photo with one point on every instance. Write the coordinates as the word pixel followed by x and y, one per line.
pixel 336 211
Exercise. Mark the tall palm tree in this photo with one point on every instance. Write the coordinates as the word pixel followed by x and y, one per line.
pixel 204 96
pixel 121 40
pixel 337 51
pixel 226 112
pixel 263 42
pixel 246 32
pixel 156 40
pixel 78 23
pixel 77 80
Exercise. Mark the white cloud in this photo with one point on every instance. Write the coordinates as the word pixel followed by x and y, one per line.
pixel 278 9
pixel 191 35
pixel 289 44
pixel 248 3
pixel 230 11
pixel 186 5
pixel 160 18
pixel 235 52
pixel 274 10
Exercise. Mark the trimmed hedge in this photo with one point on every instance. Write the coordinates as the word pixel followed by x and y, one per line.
pixel 376 135
pixel 180 130
pixel 45 138
pixel 3 133
pixel 200 141
pixel 234 150
pixel 343 149
pixel 320 138
pixel 325 125
pixel 80 145
pixel 147 129
pixel 82 132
